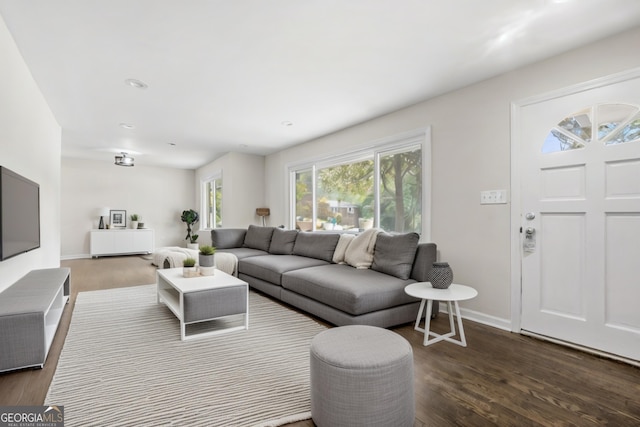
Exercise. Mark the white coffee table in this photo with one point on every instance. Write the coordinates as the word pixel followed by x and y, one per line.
pixel 452 294
pixel 203 299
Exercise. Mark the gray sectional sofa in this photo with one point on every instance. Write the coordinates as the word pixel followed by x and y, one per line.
pixel 314 271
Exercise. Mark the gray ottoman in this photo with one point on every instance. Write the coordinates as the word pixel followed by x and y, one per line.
pixel 361 376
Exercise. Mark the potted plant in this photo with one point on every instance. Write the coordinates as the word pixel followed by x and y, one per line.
pixel 207 256
pixel 207 260
pixel 190 217
pixel 134 220
pixel 189 267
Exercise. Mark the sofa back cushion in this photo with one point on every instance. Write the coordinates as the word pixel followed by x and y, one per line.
pixel 282 241
pixel 394 254
pixel 316 245
pixel 227 238
pixel 258 237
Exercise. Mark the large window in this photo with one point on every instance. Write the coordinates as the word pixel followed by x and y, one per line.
pixel 211 203
pixel 377 187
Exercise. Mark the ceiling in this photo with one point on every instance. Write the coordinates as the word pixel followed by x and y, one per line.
pixel 257 76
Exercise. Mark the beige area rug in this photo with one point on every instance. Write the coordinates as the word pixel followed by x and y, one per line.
pixel 123 364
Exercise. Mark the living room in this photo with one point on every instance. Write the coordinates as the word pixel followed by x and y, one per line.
pixel 475 239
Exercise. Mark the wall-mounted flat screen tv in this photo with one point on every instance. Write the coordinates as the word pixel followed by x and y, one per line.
pixel 19 214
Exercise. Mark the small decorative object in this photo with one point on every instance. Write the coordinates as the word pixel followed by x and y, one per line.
pixel 189 267
pixel 102 212
pixel 206 256
pixel 140 225
pixel 118 219
pixel 207 271
pixel 263 213
pixel 440 275
pixel 190 217
pixel 134 220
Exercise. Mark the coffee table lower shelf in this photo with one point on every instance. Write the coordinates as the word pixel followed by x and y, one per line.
pixel 208 305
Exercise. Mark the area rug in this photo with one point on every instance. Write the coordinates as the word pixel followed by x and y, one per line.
pixel 123 364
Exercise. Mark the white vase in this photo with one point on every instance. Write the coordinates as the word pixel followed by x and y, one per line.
pixel 195 246
pixel 134 224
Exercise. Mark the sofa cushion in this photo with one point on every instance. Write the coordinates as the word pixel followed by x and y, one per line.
pixel 242 253
pixel 271 267
pixel 282 241
pixel 394 254
pixel 258 237
pixel 316 245
pixel 354 291
pixel 225 238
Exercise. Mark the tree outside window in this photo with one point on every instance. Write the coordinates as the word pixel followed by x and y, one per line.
pixel 344 196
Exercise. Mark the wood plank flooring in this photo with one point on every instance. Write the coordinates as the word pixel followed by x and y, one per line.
pixel 500 378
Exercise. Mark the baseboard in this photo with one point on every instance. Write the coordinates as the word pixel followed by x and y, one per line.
pixel 478 317
pixel 77 256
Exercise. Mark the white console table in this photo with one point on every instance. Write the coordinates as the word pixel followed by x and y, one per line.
pixel 121 242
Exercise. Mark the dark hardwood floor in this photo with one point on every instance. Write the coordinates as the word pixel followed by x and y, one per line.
pixel 500 378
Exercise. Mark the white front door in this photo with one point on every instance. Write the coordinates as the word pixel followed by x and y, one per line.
pixel 580 218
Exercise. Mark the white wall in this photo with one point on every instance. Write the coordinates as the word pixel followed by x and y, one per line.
pixel 157 194
pixel 27 127
pixel 470 134
pixel 243 183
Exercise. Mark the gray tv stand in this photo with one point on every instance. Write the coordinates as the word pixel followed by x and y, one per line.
pixel 30 311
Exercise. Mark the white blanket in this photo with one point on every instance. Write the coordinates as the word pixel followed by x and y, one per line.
pixel 341 248
pixel 174 255
pixel 227 262
pixel 359 253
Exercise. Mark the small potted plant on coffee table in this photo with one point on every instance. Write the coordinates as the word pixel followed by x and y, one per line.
pixel 207 260
pixel 189 267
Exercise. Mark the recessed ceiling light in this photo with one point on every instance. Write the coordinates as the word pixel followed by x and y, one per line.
pixel 243 146
pixel 286 123
pixel 127 126
pixel 136 83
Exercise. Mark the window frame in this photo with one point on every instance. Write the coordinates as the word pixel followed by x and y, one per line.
pixel 371 151
pixel 204 208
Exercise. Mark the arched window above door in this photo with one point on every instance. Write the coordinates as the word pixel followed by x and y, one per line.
pixel 616 124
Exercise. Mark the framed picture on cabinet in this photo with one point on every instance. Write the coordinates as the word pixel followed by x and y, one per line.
pixel 118 219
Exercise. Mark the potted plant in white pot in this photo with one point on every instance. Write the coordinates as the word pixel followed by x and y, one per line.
pixel 207 260
pixel 134 221
pixel 190 217
pixel 189 268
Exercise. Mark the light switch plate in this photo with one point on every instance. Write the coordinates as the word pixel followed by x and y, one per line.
pixel 493 197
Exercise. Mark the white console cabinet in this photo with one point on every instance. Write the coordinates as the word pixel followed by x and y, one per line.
pixel 121 242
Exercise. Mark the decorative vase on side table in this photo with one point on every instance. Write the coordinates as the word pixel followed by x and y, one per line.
pixel 440 275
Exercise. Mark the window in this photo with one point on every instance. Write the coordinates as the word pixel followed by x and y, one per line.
pixel 616 124
pixel 401 190
pixel 381 186
pixel 211 203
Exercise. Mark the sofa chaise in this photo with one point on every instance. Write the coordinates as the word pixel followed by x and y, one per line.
pixel 342 278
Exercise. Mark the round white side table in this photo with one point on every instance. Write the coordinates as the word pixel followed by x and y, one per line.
pixel 452 294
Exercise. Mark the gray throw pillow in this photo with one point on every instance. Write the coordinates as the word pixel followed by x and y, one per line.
pixel 225 238
pixel 282 241
pixel 394 254
pixel 258 237
pixel 316 245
